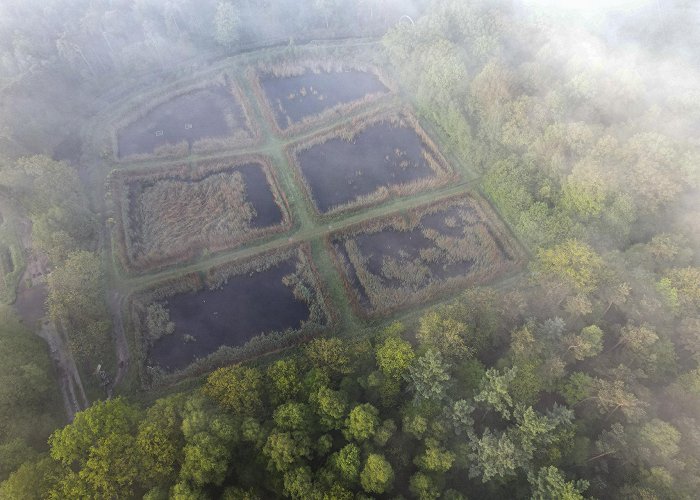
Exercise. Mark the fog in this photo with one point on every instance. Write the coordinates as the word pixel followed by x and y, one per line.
pixel 350 249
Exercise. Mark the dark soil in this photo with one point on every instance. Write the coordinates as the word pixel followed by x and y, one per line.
pixel 340 171
pixel 323 91
pixel 249 305
pixel 204 109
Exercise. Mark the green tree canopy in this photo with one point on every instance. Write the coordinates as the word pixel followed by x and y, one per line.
pixel 238 389
pixel 549 482
pixel 572 263
pixel 362 422
pixel 394 357
pixel 377 474
pixel 101 446
pixel 428 375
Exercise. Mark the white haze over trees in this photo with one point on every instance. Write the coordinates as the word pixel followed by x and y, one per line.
pixel 577 378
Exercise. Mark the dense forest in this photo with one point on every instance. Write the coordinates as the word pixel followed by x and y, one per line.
pixel 577 378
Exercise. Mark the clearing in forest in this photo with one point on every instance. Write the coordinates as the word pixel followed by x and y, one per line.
pixel 404 259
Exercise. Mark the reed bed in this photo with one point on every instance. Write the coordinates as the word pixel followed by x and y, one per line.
pixel 170 215
pixel 479 245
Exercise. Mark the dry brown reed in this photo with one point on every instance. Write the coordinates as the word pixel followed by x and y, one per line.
pixel 170 215
pixel 487 250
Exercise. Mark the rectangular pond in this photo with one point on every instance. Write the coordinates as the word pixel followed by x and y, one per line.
pixel 367 163
pixel 272 298
pixel 171 215
pixel 209 113
pixel 403 259
pixel 295 98
pixel 246 306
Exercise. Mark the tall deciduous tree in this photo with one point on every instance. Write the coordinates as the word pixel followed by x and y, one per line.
pixel 429 376
pixel 100 446
pixel 377 474
pixel 329 354
pixel 586 344
pixel 494 391
pixel 444 335
pixel 571 263
pixel 394 357
pixel 284 382
pixel 237 389
pixel 613 396
pixel 549 482
pixel 362 422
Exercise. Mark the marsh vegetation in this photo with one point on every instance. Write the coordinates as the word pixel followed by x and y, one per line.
pixel 171 215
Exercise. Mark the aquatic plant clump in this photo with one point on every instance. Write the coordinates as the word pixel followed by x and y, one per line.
pixel 367 161
pixel 171 215
pixel 389 263
pixel 236 311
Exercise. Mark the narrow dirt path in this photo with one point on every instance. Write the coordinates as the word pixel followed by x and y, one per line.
pixel 31 308
pixel 115 302
pixel 74 398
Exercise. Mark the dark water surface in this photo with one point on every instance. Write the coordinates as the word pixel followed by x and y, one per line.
pixel 340 171
pixel 323 91
pixel 250 304
pixel 406 246
pixel 204 109
pixel 259 193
